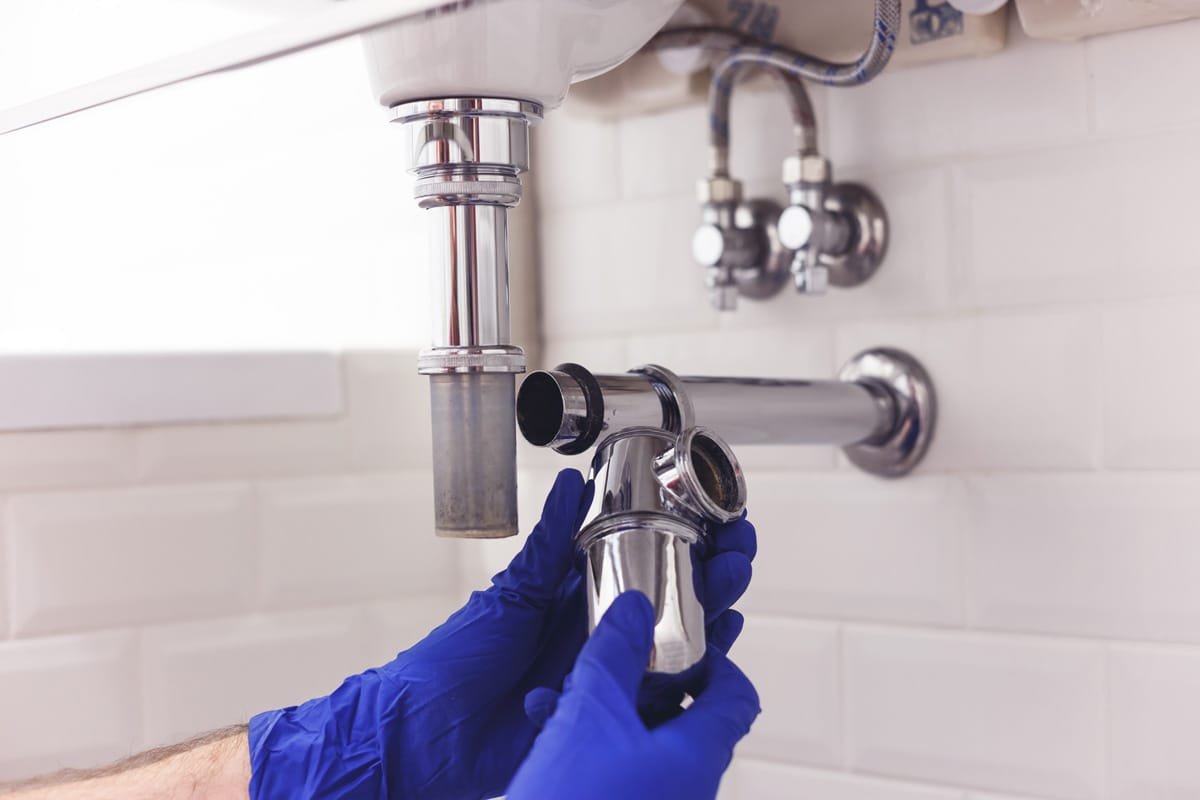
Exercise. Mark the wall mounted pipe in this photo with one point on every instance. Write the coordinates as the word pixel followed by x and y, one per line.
pixel 882 410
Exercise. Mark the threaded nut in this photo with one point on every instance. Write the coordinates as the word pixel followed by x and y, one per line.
pixel 806 169
pixel 719 190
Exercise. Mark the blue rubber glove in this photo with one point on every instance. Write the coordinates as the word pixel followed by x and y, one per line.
pixel 446 720
pixel 596 746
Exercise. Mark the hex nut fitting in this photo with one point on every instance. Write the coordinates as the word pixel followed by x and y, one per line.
pixel 806 169
pixel 719 190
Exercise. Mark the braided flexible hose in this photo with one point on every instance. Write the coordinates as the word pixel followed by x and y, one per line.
pixel 804 120
pixel 790 65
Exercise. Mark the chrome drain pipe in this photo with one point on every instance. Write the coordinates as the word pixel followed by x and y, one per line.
pixel 881 411
pixel 656 493
pixel 468 155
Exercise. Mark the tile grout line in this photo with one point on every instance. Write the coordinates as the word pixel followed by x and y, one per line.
pixel 7 573
pixel 996 635
pixel 963 540
pixel 843 700
pixel 1107 726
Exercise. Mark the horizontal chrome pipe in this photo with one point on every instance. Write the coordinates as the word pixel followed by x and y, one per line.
pixel 570 409
pixel 882 410
pixel 764 411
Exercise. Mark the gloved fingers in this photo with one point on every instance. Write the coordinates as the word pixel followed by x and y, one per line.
pixel 724 709
pixel 660 697
pixel 536 572
pixel 561 638
pixel 540 705
pixel 618 652
pixel 738 536
pixel 726 578
pixel 725 630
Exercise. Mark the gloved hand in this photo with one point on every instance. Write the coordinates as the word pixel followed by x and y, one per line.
pixel 445 720
pixel 596 747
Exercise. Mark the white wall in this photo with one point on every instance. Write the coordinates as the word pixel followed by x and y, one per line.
pixel 1022 617
pixel 260 209
pixel 159 582
pixel 265 208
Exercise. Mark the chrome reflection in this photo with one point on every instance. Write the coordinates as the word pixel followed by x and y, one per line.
pixel 656 495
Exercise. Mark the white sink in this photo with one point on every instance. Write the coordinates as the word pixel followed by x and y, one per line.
pixel 416 49
pixel 519 49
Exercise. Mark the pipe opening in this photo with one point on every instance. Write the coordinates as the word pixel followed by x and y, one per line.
pixel 717 473
pixel 540 409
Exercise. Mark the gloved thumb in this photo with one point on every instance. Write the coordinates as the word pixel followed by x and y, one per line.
pixel 618 652
pixel 536 572
pixel 540 705
pixel 723 711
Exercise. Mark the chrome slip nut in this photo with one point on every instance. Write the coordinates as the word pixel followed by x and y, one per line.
pixel 806 169
pixel 719 190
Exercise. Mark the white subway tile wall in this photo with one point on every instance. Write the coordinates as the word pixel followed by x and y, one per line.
pixel 202 675
pixel 97 559
pixel 1006 714
pixel 162 581
pixel 350 538
pixel 68 701
pixel 1021 619
pixel 799 684
pixel 1155 697
pixel 765 780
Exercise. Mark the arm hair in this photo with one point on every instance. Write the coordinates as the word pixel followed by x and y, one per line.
pixel 214 766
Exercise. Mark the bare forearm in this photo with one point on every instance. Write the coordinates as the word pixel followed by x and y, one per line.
pixel 212 767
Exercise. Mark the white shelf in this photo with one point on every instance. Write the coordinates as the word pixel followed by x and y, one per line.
pixel 47 392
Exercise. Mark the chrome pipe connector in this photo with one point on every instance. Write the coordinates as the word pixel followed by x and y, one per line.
pixel 467 150
pixel 656 495
pixel 837 232
pixel 882 411
pixel 468 154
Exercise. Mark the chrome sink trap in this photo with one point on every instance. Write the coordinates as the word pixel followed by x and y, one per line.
pixel 656 495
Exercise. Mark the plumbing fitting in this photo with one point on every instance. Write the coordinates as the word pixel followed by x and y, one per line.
pixel 656 493
pixel 468 155
pixel 738 244
pixel 831 233
pixel 882 410
pixel 837 232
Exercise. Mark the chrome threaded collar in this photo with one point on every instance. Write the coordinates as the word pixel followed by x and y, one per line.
pixel 467 150
pixel 456 360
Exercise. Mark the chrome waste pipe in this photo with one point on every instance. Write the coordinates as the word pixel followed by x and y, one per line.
pixel 881 410
pixel 467 155
pixel 656 494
